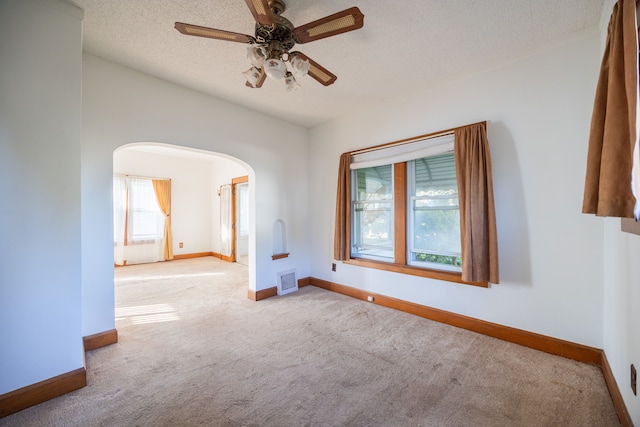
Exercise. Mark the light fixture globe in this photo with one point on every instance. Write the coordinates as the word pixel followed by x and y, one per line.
pixel 256 55
pixel 291 83
pixel 299 67
pixel 252 75
pixel 275 68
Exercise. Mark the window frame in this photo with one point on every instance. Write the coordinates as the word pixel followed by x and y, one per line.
pixel 354 233
pixel 400 262
pixel 411 197
pixel 134 208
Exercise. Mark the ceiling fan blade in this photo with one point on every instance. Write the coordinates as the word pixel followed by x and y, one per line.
pixel 338 23
pixel 317 71
pixel 212 33
pixel 261 11
pixel 263 77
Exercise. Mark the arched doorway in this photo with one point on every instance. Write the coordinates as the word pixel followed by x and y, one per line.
pixel 195 178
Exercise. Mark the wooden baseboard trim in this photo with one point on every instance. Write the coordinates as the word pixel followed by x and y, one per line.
pixel 616 396
pixel 306 281
pixel 194 255
pixel 37 393
pixel 262 294
pixel 31 395
pixel 570 350
pixel 99 340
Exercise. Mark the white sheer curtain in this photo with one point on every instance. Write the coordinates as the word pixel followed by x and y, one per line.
pixel 119 218
pixel 138 222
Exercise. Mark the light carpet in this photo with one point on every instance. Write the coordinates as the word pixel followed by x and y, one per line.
pixel 194 350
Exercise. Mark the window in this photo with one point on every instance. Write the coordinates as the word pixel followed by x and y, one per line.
pixel 421 206
pixel 141 229
pixel 432 226
pixel 373 212
pixel 146 221
pixel 434 215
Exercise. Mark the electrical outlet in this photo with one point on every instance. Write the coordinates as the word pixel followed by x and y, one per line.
pixel 333 266
pixel 634 376
pixel 181 245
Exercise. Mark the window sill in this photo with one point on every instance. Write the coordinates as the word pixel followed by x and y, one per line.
pixel 414 271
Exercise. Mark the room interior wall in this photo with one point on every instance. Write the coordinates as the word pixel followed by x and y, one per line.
pixel 122 106
pixel 621 290
pixel 191 193
pixel 40 138
pixel 538 110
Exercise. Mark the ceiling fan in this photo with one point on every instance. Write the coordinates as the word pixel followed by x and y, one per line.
pixel 269 49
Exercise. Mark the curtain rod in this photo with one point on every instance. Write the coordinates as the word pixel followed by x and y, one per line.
pixel 415 138
pixel 141 177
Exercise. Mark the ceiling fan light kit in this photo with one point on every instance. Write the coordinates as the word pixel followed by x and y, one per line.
pixel 269 50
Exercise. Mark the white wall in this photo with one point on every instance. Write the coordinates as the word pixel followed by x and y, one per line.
pixel 191 193
pixel 40 134
pixel 621 292
pixel 538 110
pixel 122 106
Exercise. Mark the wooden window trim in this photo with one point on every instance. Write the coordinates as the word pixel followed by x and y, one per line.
pixel 449 276
pixel 400 213
pixel 400 264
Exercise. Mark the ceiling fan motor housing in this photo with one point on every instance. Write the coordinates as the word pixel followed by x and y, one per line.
pixel 279 32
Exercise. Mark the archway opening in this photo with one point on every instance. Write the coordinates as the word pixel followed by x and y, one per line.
pixel 195 178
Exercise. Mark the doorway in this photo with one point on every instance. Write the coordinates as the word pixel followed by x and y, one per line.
pixel 234 221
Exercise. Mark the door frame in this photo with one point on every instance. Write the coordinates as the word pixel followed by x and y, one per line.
pixel 234 183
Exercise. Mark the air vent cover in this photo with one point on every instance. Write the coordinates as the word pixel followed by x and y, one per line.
pixel 287 282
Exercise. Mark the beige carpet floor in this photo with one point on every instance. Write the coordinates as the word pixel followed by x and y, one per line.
pixel 194 350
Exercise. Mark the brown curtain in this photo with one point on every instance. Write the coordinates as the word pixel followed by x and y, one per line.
pixel 162 189
pixel 477 212
pixel 613 123
pixel 342 236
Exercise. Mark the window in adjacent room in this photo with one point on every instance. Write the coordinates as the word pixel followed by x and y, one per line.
pixel 146 221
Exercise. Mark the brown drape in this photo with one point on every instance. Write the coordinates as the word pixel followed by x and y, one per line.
pixel 342 236
pixel 613 123
pixel 162 189
pixel 477 212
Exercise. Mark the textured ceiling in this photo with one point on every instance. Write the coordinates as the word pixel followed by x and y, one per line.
pixel 405 46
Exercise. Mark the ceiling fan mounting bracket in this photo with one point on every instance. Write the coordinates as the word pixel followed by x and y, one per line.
pixel 277 6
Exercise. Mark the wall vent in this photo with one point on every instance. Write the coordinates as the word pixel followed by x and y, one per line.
pixel 287 282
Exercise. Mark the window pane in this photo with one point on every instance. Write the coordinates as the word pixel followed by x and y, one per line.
pixel 146 222
pixel 374 183
pixel 373 212
pixel 434 213
pixel 435 176
pixel 436 230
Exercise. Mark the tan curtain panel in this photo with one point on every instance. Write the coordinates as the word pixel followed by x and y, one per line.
pixel 477 212
pixel 162 189
pixel 613 123
pixel 342 236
